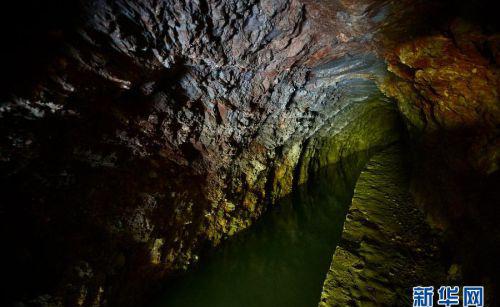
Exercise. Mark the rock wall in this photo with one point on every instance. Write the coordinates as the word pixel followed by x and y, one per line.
pixel 137 133
pixel 149 130
pixel 446 84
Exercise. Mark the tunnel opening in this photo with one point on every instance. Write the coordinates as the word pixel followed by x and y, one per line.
pixel 141 140
pixel 283 259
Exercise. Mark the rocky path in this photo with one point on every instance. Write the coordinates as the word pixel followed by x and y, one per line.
pixel 386 246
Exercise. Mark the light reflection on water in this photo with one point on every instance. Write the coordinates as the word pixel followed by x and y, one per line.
pixel 282 259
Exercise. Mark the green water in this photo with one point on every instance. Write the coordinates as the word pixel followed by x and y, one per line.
pixel 282 260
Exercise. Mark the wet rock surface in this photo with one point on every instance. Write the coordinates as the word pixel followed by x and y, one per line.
pixel 154 129
pixel 386 246
pixel 136 134
pixel 283 258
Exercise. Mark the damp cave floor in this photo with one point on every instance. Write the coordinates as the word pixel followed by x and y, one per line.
pixel 386 246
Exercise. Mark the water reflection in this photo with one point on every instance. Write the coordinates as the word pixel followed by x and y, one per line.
pixel 282 259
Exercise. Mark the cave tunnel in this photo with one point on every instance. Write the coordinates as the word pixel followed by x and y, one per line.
pixel 249 153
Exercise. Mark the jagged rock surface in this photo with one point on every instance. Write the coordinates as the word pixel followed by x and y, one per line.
pixel 159 127
pixel 446 85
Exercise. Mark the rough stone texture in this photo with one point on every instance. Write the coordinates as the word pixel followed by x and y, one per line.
pixel 284 252
pixel 446 86
pixel 386 247
pixel 147 130
pixel 160 127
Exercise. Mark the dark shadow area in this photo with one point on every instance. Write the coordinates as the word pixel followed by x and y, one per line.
pixel 75 195
pixel 453 183
pixel 32 33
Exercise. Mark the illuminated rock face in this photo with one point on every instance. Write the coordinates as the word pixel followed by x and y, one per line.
pixel 158 128
pixel 162 127
pixel 446 87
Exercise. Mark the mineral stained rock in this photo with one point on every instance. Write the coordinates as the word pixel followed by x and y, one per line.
pixel 447 89
pixel 136 133
pixel 160 127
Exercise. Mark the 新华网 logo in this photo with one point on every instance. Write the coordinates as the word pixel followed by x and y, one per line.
pixel 472 296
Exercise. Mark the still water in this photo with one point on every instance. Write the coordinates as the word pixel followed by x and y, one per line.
pixel 281 260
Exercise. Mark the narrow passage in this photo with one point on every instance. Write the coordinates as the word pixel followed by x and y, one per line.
pixel 386 246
